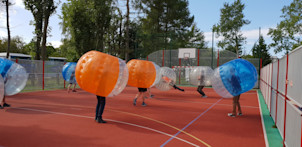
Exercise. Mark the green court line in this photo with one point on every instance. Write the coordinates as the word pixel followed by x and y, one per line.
pixel 273 135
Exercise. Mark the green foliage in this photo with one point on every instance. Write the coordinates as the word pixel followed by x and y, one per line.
pixel 16 45
pixel 260 50
pixel 68 50
pixel 30 49
pixel 231 21
pixel 287 35
pixel 86 22
pixel 166 25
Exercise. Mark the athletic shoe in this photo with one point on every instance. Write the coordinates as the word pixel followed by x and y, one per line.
pixel 144 104
pixel 134 101
pixel 1 107
pixel 231 115
pixel 204 96
pixel 74 91
pixel 239 114
pixel 151 96
pixel 182 90
pixel 6 105
pixel 99 120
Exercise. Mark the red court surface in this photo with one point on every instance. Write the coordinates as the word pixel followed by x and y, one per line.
pixel 173 118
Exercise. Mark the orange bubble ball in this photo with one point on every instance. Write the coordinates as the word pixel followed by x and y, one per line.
pixel 97 73
pixel 142 73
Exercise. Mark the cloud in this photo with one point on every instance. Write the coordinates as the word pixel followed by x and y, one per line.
pixel 19 4
pixel 254 34
pixel 3 34
pixel 56 44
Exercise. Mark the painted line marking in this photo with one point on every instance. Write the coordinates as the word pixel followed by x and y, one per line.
pixel 262 122
pixel 133 114
pixel 131 124
pixel 191 123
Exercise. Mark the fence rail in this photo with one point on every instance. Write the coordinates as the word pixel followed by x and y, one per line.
pixel 280 84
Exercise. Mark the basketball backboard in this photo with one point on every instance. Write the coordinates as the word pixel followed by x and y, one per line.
pixel 186 52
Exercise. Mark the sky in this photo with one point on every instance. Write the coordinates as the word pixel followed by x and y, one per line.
pixel 263 14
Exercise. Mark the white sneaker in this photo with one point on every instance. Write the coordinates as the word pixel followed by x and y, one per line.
pixel 231 115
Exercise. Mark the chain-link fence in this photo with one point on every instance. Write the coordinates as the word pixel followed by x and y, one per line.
pixel 42 75
pixel 204 57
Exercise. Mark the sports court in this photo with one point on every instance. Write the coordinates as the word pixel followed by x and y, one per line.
pixel 172 118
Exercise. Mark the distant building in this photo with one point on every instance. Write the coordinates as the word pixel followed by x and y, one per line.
pixel 62 59
pixel 14 56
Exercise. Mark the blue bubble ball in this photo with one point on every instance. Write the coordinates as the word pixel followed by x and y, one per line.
pixel 68 69
pixel 234 78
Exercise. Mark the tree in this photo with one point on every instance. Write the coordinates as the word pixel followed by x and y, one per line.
pixel 41 10
pixel 287 34
pixel 261 51
pixel 85 23
pixel 195 38
pixel 48 9
pixel 231 21
pixel 7 4
pixel 36 8
pixel 16 45
pixel 165 25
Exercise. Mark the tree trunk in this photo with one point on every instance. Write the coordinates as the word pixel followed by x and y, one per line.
pixel 43 50
pixel 127 33
pixel 8 30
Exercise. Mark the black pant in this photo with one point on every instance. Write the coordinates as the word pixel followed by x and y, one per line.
pixel 199 89
pixel 100 107
pixel 175 87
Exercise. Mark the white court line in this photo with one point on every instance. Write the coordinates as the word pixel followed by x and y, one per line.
pixel 262 122
pixel 135 125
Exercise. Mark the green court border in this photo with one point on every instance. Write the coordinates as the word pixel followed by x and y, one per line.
pixel 273 135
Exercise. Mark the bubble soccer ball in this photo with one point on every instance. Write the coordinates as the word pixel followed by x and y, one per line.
pixel 142 74
pixel 167 76
pixel 14 75
pixel 101 74
pixel 68 69
pixel 234 77
pixel 201 76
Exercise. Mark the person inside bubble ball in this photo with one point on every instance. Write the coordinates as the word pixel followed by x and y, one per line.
pixel 3 103
pixel 236 87
pixel 142 93
pixel 149 93
pixel 100 109
pixel 171 83
pixel 72 81
pixel 201 84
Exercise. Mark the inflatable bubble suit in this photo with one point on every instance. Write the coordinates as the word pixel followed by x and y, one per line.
pixel 201 76
pixel 163 85
pixel 101 74
pixel 143 74
pixel 234 77
pixel 1 89
pixel 68 69
pixel 14 75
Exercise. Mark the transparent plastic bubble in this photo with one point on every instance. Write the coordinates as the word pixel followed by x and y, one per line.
pixel 122 79
pixel 157 78
pixel 15 79
pixel 166 72
pixel 201 76
pixel 68 69
pixel 234 77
